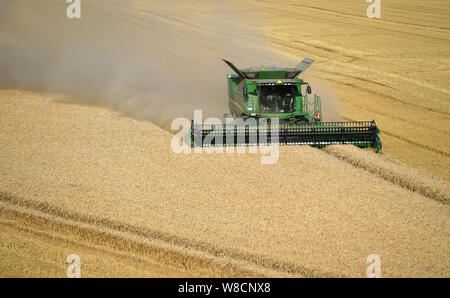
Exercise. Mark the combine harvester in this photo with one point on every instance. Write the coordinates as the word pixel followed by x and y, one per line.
pixel 261 95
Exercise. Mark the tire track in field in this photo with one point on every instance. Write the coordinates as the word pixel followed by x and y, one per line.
pixel 342 65
pixel 422 125
pixel 332 12
pixel 403 176
pixel 390 97
pixel 346 18
pixel 396 76
pixel 34 235
pixel 123 236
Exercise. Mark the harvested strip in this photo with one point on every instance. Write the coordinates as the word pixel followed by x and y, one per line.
pixel 404 176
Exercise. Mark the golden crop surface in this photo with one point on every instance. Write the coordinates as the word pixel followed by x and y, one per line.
pixel 78 178
pixel 73 171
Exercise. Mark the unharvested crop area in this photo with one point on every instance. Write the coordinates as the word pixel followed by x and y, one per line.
pixel 103 182
pixel 115 178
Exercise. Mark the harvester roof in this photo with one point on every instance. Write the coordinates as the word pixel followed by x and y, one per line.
pixel 271 72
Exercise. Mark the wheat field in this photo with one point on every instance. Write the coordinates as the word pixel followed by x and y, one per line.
pixel 115 178
pixel 388 169
pixel 80 173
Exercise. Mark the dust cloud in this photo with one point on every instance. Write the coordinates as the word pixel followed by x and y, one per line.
pixel 153 60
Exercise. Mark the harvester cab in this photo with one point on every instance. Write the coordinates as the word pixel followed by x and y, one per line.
pixel 259 95
pixel 271 92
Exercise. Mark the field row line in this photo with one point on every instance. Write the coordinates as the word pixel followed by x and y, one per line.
pixel 395 173
pixel 161 248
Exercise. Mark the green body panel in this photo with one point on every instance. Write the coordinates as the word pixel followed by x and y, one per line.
pixel 271 74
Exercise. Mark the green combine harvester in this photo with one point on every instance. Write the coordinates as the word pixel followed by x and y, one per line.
pixel 270 105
